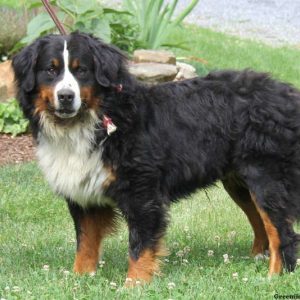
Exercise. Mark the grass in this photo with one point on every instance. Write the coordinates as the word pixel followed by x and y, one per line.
pixel 223 51
pixel 37 231
pixel 37 238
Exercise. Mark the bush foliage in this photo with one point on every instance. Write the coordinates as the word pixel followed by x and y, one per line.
pixel 12 120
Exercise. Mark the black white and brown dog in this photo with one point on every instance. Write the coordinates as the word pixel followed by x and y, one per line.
pixel 112 145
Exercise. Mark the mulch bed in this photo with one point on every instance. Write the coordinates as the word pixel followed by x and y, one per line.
pixel 16 149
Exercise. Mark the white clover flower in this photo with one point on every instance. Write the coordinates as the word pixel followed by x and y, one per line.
pixel 245 279
pixel 171 285
pixel 113 285
pixel 46 267
pixel 231 235
pixel 235 275
pixel 16 289
pixel 180 253
pixel 210 253
pixel 217 238
pixel 185 229
pixel 128 280
pixel 186 249
pixel 66 272
pixel 226 258
pixel 185 261
pixel 175 244
pixel 101 263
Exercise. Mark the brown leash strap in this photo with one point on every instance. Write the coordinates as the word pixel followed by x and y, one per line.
pixel 54 17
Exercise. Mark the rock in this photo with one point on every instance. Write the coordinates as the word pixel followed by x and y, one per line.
pixel 153 72
pixel 156 56
pixel 7 87
pixel 186 71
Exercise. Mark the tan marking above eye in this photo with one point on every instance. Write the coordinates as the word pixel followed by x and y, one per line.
pixel 55 62
pixel 75 63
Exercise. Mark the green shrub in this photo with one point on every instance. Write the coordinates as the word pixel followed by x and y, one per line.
pixel 143 23
pixel 85 15
pixel 124 32
pixel 156 20
pixel 12 120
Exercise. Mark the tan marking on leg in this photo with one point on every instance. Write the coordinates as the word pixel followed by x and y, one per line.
pixel 94 226
pixel 242 198
pixel 275 266
pixel 146 266
pixel 261 242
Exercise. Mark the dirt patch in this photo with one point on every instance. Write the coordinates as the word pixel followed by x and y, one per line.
pixel 15 150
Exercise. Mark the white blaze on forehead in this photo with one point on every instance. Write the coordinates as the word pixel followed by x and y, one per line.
pixel 68 81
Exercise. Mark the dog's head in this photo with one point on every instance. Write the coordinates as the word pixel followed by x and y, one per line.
pixel 64 76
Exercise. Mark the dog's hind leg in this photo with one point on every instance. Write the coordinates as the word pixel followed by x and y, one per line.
pixel 274 203
pixel 282 238
pixel 275 266
pixel 242 198
pixel 91 225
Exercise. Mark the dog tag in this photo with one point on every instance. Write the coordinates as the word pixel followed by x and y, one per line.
pixel 109 125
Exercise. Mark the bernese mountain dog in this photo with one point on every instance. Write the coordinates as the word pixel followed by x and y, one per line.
pixel 111 145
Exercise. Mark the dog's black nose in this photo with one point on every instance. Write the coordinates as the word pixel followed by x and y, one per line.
pixel 65 96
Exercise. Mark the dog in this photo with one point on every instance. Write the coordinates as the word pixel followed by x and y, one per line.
pixel 111 146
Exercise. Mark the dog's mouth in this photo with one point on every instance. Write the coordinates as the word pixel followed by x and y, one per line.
pixel 65 113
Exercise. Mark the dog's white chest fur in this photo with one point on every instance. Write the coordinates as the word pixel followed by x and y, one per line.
pixel 71 166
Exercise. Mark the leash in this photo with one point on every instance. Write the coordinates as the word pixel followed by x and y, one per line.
pixel 55 19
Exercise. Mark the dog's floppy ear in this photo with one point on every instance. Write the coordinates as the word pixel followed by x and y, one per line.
pixel 109 62
pixel 23 64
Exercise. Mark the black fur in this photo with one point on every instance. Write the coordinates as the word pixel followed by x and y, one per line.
pixel 173 138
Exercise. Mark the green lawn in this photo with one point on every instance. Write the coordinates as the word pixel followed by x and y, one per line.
pixel 37 239
pixel 223 51
pixel 36 230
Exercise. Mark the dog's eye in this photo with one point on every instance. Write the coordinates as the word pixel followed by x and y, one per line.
pixel 81 71
pixel 51 71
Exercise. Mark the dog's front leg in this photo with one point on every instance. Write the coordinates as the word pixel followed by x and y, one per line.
pixel 147 223
pixel 91 225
